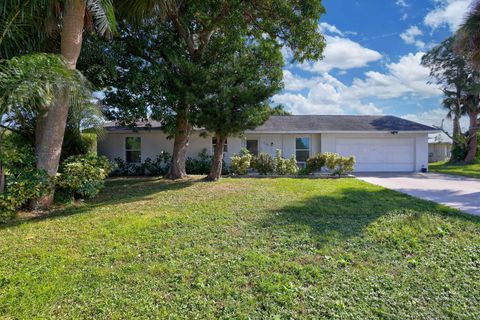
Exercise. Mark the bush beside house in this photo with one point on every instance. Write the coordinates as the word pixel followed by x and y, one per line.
pixel 80 176
pixel 265 164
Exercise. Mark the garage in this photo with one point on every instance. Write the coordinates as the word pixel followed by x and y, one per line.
pixel 379 154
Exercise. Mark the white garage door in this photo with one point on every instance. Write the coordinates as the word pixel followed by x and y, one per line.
pixel 381 155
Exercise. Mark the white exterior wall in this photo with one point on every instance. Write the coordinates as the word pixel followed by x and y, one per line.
pixel 153 142
pixel 269 143
pixel 420 150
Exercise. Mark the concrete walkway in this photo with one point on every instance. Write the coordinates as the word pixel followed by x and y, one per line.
pixel 454 191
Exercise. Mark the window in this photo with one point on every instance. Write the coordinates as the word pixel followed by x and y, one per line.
pixel 302 149
pixel 214 142
pixel 252 147
pixel 133 149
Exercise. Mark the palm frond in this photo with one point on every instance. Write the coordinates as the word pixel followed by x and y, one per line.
pixel 21 25
pixel 103 15
pixel 34 81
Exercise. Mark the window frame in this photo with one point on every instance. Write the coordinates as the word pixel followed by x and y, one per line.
pixel 309 149
pixel 225 146
pixel 126 150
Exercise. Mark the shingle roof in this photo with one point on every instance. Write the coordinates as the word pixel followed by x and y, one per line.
pixel 325 123
pixel 309 123
pixel 141 125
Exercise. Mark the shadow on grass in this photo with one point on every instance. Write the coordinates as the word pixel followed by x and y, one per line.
pixel 116 191
pixel 349 211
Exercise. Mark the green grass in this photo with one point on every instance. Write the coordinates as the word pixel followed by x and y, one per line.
pixel 243 248
pixel 470 170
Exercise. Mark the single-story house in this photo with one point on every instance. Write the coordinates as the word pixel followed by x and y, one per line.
pixel 439 151
pixel 379 143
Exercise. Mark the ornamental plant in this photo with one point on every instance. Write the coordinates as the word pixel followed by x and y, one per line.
pixel 240 163
pixel 315 163
pixel 83 176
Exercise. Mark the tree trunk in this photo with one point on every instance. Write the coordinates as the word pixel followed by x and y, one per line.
pixel 2 173
pixel 216 170
pixel 456 130
pixel 183 130
pixel 2 179
pixel 472 141
pixel 50 127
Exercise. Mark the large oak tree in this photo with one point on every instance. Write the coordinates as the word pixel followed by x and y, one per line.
pixel 292 23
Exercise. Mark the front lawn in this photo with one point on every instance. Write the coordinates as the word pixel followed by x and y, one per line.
pixel 243 248
pixel 470 170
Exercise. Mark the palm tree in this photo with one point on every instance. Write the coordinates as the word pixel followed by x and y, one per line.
pixel 452 102
pixel 30 84
pixel 469 35
pixel 68 17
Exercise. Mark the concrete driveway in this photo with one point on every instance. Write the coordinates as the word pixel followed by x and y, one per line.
pixel 457 192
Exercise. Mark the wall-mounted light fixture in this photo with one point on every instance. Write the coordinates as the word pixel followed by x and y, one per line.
pixel 394 132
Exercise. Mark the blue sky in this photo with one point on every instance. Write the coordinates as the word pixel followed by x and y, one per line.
pixel 372 60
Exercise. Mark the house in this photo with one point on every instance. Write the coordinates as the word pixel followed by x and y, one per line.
pixel 439 151
pixel 379 143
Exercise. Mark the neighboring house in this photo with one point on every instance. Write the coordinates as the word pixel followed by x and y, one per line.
pixel 439 151
pixel 379 143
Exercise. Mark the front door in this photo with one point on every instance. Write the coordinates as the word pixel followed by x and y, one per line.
pixel 252 147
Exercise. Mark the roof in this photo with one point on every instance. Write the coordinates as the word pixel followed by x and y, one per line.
pixel 336 123
pixel 141 125
pixel 311 123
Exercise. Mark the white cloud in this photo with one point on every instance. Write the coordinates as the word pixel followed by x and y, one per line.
pixel 410 37
pixel 326 27
pixel 407 76
pixel 342 53
pixel 327 95
pixel 402 3
pixel 447 12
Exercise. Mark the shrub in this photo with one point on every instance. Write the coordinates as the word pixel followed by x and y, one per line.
pixel 292 167
pixel 199 165
pixel 78 143
pixel 122 168
pixel 159 166
pixel 264 164
pixel 338 165
pixel 315 163
pixel 284 166
pixel 22 186
pixel 202 164
pixel 23 181
pixel 241 163
pixel 83 176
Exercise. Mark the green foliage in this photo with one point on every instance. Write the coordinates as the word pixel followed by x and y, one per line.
pixel 33 82
pixel 159 166
pixel 458 169
pixel 338 165
pixel 122 168
pixel 264 163
pixel 284 166
pixel 150 167
pixel 315 163
pixel 33 25
pixel 202 164
pixel 78 144
pixel 23 181
pixel 82 176
pixel 240 163
pixel 199 165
